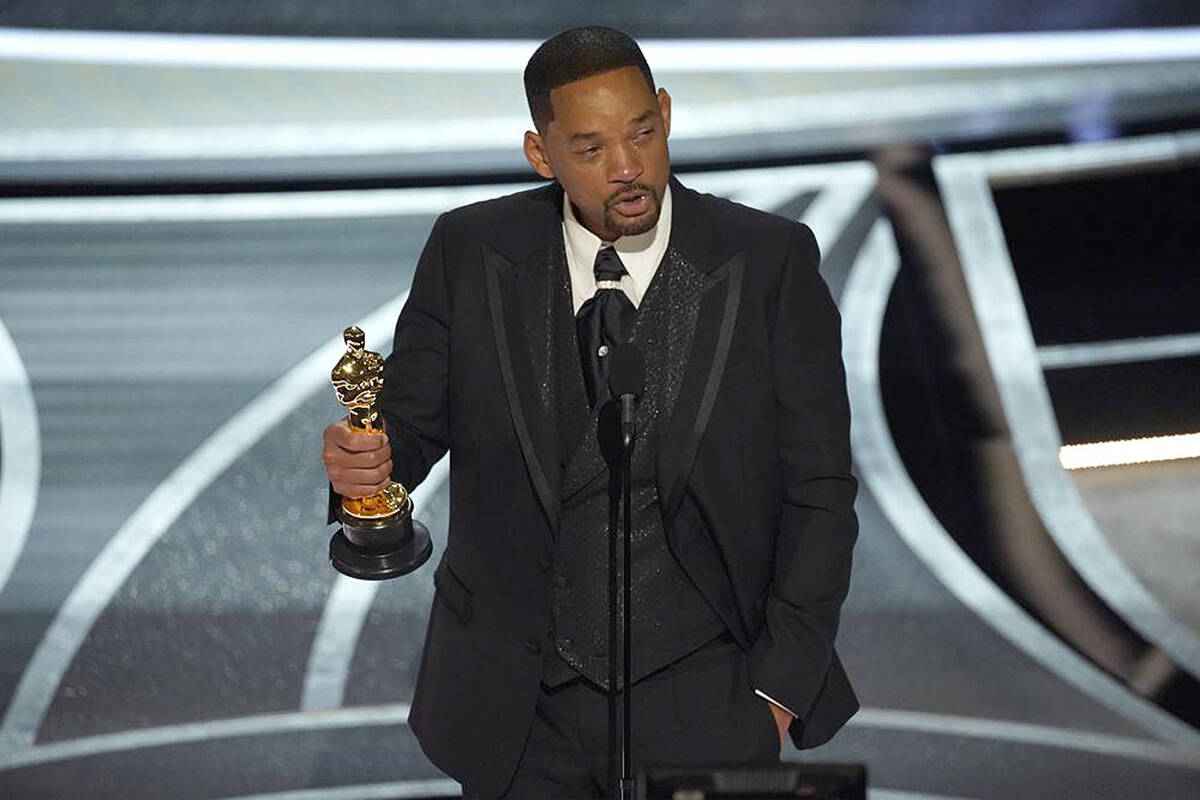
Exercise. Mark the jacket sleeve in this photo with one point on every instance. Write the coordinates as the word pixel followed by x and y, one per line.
pixel 415 397
pixel 817 525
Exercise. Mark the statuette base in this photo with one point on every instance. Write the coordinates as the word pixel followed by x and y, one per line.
pixel 375 549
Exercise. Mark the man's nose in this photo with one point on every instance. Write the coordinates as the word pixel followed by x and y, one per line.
pixel 626 164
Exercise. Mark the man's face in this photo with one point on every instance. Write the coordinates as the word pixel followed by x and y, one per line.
pixel 607 146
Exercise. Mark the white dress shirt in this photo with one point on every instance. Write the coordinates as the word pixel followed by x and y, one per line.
pixel 640 254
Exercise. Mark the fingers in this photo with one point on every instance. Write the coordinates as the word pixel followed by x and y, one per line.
pixel 350 482
pixel 356 464
pixel 362 459
pixel 340 434
pixel 349 489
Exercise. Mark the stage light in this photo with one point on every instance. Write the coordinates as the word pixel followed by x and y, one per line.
pixel 1130 451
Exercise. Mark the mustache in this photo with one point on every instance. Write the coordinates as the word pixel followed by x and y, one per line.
pixel 628 192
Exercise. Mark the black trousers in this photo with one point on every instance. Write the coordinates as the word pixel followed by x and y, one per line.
pixel 701 710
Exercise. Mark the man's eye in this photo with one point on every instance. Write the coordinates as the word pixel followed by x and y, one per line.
pixel 645 133
pixel 590 151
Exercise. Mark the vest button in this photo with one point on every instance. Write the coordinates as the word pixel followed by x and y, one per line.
pixel 560 582
pixel 546 562
pixel 533 648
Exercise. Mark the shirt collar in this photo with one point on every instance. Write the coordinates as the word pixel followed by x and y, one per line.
pixel 640 254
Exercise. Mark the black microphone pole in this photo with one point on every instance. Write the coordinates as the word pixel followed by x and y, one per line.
pixel 626 380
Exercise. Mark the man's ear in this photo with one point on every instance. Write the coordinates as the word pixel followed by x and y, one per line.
pixel 535 153
pixel 664 109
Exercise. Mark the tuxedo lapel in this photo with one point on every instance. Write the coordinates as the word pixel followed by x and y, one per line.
pixel 521 297
pixel 523 290
pixel 718 298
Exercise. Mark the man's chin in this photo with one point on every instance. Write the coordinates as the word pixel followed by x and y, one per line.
pixel 632 226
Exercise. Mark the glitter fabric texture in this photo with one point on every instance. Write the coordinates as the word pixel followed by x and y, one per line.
pixel 679 619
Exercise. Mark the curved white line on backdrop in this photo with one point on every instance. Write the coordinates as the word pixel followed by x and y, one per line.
pixel 1026 733
pixel 863 303
pixel 963 51
pixel 447 787
pixel 253 725
pixel 333 645
pixel 842 189
pixel 991 281
pixel 345 614
pixel 396 714
pixel 20 455
pixel 125 550
pixel 430 787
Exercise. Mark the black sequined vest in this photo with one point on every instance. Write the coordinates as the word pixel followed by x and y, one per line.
pixel 670 617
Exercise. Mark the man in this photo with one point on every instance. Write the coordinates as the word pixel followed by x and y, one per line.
pixel 742 494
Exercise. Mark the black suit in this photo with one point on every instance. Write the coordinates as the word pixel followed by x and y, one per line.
pixel 753 465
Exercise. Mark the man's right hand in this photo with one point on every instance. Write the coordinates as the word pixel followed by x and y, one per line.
pixel 357 464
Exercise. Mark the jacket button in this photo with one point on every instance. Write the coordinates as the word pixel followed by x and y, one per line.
pixel 533 647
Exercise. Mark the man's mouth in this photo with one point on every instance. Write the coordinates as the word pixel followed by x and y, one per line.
pixel 633 203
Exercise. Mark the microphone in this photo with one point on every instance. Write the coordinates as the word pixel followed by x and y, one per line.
pixel 626 381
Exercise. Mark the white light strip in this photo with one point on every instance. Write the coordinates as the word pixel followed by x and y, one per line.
pixel 334 204
pixel 1120 351
pixel 923 101
pixel 690 55
pixel 1025 165
pixel 1130 451
pixel 357 203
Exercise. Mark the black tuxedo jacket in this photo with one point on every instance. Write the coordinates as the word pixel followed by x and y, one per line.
pixel 753 465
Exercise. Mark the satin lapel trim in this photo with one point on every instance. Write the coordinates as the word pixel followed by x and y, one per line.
pixel 719 306
pixel 518 299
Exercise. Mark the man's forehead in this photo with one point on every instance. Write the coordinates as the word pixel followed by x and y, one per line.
pixel 624 85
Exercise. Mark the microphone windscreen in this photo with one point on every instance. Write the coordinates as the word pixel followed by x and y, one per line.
pixel 626 370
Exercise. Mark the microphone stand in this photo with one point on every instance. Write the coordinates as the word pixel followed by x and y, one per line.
pixel 614 732
pixel 620 738
pixel 628 431
pixel 626 381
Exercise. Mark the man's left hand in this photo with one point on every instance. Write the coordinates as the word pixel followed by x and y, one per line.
pixel 782 720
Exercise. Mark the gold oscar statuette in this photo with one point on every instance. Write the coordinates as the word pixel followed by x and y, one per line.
pixel 379 538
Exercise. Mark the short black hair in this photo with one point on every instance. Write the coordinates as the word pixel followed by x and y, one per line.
pixel 573 55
